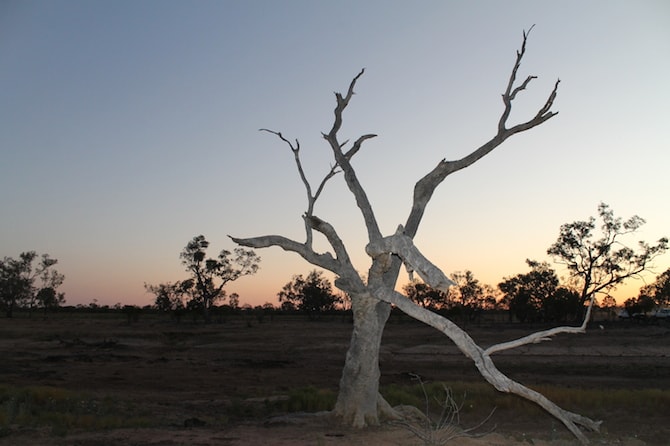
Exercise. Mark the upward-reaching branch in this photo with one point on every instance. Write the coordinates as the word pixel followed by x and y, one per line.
pixel 426 186
pixel 296 155
pixel 344 161
pixel 342 103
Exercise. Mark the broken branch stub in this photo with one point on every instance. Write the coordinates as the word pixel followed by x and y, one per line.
pixel 403 246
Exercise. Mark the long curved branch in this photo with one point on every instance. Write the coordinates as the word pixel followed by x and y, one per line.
pixel 545 335
pixel 325 260
pixel 485 364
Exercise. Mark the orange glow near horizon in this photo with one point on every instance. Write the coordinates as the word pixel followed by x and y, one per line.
pixel 117 207
pixel 260 290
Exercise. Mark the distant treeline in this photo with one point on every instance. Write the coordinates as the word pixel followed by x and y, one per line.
pixel 261 314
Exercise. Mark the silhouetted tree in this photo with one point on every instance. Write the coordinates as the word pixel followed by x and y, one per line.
pixel 468 295
pixel 209 276
pixel 491 298
pixel 234 301
pixel 659 291
pixel 47 295
pixel 561 306
pixel 359 402
pixel 638 307
pixel 601 261
pixel 425 295
pixel 17 282
pixel 312 295
pixel 170 297
pixel 608 302
pixel 49 299
pixel 525 294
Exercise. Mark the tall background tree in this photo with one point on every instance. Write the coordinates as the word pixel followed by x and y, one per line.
pixel 312 295
pixel 208 277
pixel 600 260
pixel 359 402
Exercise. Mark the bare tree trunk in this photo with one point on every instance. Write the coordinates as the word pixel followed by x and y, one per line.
pixel 359 403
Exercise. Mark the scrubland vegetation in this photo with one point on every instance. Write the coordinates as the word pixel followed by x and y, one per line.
pixel 101 371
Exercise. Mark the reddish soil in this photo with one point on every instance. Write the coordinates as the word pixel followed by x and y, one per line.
pixel 181 372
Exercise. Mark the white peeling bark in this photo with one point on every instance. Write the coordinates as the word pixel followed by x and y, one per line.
pixel 359 403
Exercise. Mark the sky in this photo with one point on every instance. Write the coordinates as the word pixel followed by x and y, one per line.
pixel 127 128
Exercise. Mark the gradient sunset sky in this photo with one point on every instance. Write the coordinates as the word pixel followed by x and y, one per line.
pixel 128 127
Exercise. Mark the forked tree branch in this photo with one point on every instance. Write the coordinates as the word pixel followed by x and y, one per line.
pixel 510 94
pixel 311 198
pixel 342 264
pixel 342 103
pixel 425 187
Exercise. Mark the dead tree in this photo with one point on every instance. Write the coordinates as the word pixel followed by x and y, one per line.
pixel 359 403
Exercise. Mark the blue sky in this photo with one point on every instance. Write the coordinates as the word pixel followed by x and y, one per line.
pixel 127 128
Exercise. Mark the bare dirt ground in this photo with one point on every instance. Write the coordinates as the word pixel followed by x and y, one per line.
pixel 181 372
